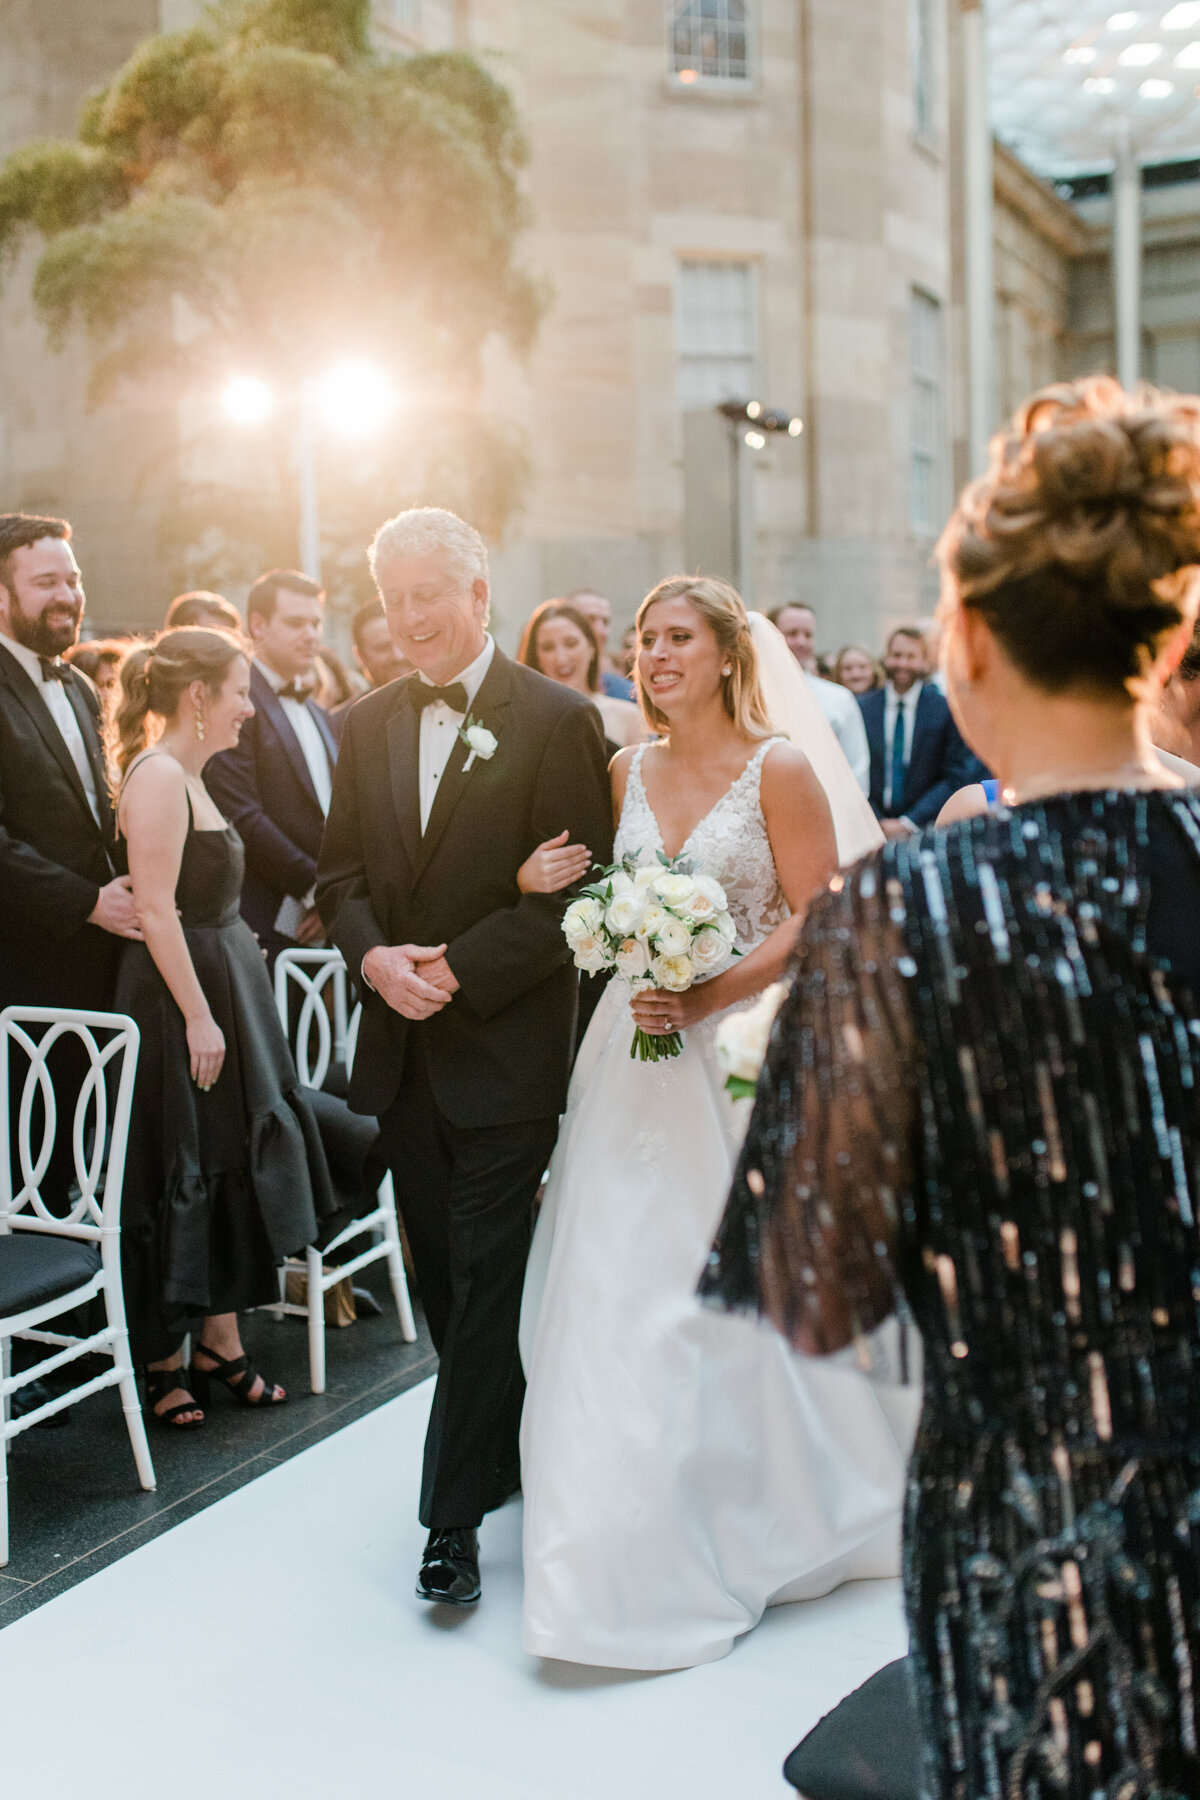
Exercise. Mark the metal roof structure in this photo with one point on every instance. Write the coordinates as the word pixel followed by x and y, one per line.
pixel 1068 77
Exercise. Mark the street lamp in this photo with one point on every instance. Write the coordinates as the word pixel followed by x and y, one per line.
pixel 751 423
pixel 351 398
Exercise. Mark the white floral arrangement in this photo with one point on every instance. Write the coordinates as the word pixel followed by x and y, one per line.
pixel 742 1039
pixel 481 742
pixel 658 925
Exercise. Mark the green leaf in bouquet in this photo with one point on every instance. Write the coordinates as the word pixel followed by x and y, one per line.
pixel 738 1088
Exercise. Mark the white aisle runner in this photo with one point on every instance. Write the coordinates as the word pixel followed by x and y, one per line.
pixel 272 1646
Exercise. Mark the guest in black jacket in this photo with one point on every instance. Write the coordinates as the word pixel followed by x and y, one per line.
pixel 917 757
pixel 63 910
pixel 275 787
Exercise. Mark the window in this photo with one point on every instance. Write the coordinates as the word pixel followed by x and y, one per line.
pixel 921 55
pixel 716 326
pixel 709 40
pixel 927 499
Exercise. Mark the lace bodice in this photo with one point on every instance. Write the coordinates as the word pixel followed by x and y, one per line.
pixel 730 843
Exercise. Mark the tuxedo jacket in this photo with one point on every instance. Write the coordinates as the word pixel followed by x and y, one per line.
pixel 264 789
pixel 939 763
pixel 54 857
pixel 500 1052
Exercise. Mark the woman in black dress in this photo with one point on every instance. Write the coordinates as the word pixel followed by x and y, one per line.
pixel 981 1099
pixel 225 1173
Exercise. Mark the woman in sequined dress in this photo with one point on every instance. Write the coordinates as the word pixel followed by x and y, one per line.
pixel 981 1095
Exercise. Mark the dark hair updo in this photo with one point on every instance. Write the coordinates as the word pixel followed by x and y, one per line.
pixel 1079 546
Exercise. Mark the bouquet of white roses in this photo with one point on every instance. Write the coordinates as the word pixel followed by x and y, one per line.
pixel 659 925
pixel 742 1039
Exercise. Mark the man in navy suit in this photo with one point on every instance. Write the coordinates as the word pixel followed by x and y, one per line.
pixel 917 757
pixel 275 787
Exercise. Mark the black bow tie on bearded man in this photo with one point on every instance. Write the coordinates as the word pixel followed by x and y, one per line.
pixel 422 694
pixel 54 671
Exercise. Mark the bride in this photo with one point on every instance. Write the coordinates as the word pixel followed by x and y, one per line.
pixel 682 1469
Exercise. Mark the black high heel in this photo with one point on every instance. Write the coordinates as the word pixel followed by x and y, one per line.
pixel 237 1374
pixel 160 1383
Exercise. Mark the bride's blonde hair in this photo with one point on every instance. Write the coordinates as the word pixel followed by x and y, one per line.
pixel 722 609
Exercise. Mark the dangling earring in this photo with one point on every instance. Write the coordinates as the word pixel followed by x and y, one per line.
pixel 200 725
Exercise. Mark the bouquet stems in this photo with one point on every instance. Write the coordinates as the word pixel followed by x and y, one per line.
pixel 655 1049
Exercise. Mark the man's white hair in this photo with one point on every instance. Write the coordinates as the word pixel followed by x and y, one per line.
pixel 431 530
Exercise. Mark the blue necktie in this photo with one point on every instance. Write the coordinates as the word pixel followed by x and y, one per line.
pixel 897 772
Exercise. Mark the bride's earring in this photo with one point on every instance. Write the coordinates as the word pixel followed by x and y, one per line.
pixel 201 728
pixel 727 671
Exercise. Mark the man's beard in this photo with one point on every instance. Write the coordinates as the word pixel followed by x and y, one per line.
pixel 38 634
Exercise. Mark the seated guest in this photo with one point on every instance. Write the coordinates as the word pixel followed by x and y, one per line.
pixel 797 626
pixel 100 660
pixel 225 1175
pixel 917 757
pixel 202 608
pixel 374 652
pixel 614 681
pixel 856 669
pixel 559 642
pixel 274 785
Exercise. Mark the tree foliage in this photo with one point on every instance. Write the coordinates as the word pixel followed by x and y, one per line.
pixel 303 197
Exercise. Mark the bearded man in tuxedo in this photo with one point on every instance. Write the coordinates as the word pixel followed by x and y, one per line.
pixel 446 781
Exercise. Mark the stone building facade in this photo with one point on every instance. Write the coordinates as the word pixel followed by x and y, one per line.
pixel 742 198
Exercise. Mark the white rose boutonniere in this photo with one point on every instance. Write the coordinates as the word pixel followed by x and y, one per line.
pixel 481 742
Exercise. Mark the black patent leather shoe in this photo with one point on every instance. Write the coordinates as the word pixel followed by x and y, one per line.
pixel 449 1574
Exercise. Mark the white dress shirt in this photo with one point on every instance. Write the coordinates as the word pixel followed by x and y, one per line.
pixel 440 727
pixel 891 701
pixel 316 756
pixel 845 716
pixel 63 714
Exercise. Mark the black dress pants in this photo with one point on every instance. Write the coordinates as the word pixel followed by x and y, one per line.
pixel 466 1196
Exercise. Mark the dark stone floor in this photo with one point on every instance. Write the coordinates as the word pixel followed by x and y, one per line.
pixel 74 1501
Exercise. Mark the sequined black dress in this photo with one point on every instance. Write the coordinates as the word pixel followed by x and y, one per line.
pixel 981 1101
pixel 219 1186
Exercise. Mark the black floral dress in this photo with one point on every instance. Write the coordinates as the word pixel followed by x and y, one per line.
pixel 981 1103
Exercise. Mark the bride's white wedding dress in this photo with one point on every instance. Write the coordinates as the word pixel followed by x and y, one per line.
pixel 682 1469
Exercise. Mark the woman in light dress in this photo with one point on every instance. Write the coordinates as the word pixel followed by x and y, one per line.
pixel 559 642
pixel 684 1470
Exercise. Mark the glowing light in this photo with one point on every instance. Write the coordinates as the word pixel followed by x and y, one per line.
pixel 354 398
pixel 753 409
pixel 689 75
pixel 1189 57
pixel 247 400
pixel 1080 53
pixel 1138 55
pixel 755 440
pixel 1122 21
pixel 1183 16
pixel 795 427
pixel 1100 84
pixel 1156 90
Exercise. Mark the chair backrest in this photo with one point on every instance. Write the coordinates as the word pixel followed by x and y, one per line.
pixel 325 1030
pixel 99 1125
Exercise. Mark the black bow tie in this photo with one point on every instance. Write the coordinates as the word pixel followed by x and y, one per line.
pixel 53 671
pixel 293 691
pixel 422 695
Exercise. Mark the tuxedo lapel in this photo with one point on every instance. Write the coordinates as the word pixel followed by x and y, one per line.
pixel 92 743
pixel 267 701
pixel 490 708
pixel 26 692
pixel 404 769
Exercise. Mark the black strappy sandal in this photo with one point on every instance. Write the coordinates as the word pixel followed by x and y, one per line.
pixel 160 1383
pixel 238 1375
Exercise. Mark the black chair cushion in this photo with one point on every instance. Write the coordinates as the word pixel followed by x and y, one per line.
pixel 867 1748
pixel 36 1268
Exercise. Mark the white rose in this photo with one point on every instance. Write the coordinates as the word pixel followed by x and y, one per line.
pixel 625 911
pixel 632 959
pixel 651 919
pixel 709 951
pixel 648 873
pixel 706 899
pixel 726 927
pixel 582 919
pixel 674 973
pixel 591 955
pixel 742 1037
pixel 619 883
pixel 672 937
pixel 481 741
pixel 673 890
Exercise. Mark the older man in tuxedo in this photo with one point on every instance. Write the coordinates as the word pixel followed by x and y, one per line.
pixel 447 780
pixel 63 908
pixel 274 788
